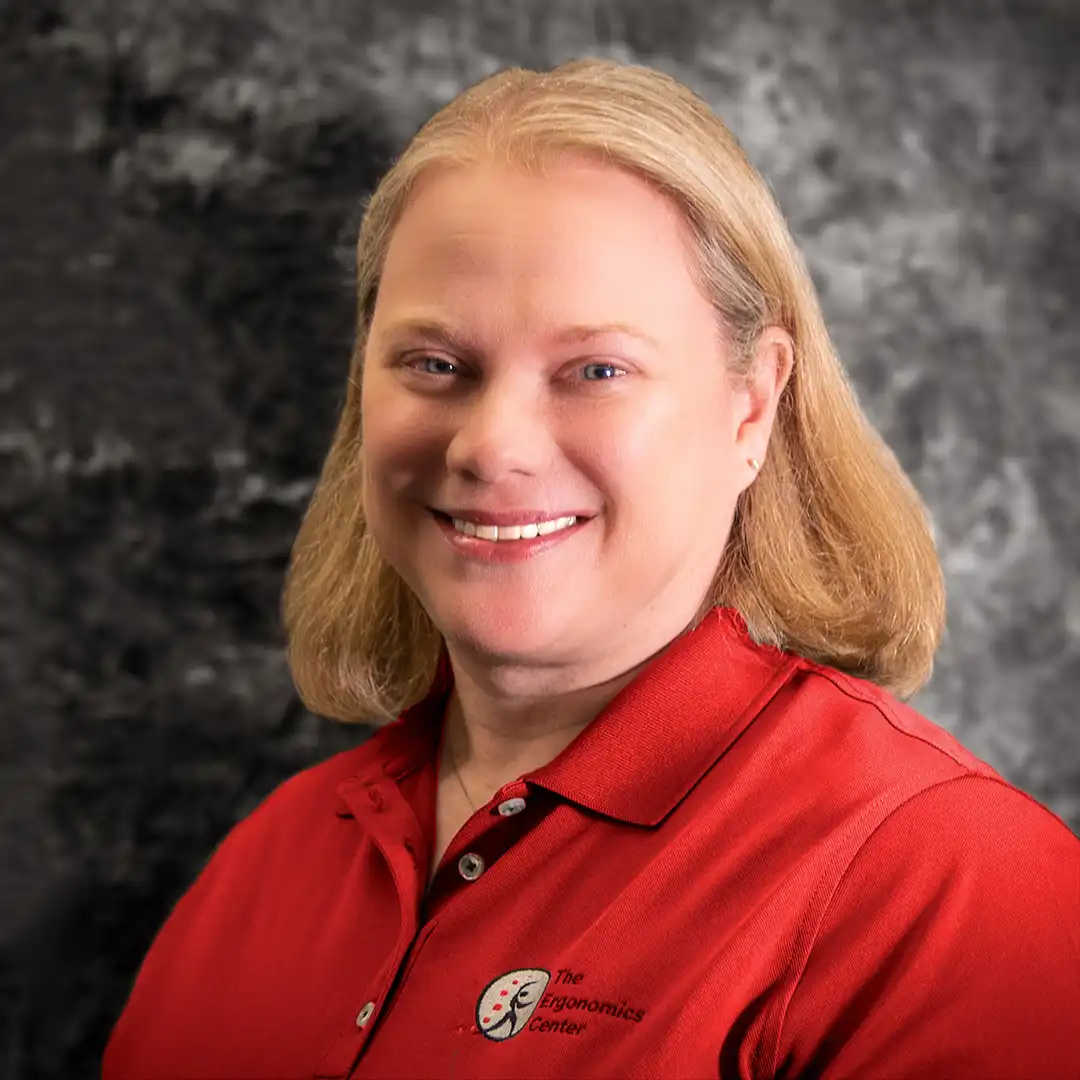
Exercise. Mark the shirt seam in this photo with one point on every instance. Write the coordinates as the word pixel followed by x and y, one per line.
pixel 839 680
pixel 969 774
pixel 828 907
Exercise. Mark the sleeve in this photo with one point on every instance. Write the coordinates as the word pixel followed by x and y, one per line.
pixel 950 949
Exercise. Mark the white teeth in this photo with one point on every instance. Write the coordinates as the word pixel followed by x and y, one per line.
pixel 546 527
pixel 512 532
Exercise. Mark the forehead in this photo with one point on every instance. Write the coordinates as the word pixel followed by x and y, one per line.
pixel 582 230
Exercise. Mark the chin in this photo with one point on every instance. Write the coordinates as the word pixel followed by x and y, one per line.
pixel 511 633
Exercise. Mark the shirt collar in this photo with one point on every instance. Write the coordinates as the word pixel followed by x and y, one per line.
pixel 652 743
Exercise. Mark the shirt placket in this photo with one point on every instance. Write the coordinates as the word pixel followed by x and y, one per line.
pixel 473 853
pixel 383 813
pixel 483 839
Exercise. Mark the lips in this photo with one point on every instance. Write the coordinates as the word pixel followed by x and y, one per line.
pixel 506 518
pixel 477 549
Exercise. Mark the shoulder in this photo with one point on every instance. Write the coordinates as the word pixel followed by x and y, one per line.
pixel 903 784
pixel 955 933
pixel 976 831
pixel 862 710
pixel 852 746
pixel 952 934
pixel 923 744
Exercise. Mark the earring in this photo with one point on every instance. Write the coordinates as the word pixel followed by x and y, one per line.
pixel 754 464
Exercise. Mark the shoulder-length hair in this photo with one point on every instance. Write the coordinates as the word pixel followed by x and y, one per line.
pixel 830 554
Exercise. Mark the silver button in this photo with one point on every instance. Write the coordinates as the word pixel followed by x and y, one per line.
pixel 470 866
pixel 364 1015
pixel 511 807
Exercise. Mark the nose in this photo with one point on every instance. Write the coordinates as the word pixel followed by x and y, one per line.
pixel 501 429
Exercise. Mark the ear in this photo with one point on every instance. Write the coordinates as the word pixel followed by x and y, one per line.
pixel 757 399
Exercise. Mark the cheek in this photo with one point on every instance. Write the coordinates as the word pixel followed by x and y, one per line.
pixel 396 439
pixel 664 447
pixel 392 420
pixel 382 463
pixel 676 477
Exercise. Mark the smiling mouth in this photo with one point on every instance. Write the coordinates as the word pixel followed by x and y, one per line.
pixel 510 533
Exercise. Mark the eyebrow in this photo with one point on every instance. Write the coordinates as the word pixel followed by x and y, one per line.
pixel 437 331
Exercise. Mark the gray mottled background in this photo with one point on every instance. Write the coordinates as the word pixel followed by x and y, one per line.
pixel 178 181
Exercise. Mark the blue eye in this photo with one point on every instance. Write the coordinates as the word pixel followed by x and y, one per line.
pixel 434 360
pixel 608 367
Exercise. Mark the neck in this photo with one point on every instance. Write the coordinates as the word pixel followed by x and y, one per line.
pixel 506 719
pixel 496 739
pixel 488 757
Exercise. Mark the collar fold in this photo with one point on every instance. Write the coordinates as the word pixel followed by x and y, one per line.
pixel 655 740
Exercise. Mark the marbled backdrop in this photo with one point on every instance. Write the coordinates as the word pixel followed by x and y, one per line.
pixel 179 180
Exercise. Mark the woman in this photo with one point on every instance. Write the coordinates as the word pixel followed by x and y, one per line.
pixel 605 540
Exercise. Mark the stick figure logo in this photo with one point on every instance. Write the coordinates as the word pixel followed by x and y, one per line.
pixel 507 1002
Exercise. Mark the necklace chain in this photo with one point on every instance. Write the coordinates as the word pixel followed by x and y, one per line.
pixel 457 771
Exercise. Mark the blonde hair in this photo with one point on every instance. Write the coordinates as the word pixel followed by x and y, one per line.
pixel 830 554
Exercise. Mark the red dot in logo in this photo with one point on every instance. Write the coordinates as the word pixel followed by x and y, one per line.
pixel 487 1019
pixel 514 983
pixel 496 1008
pixel 503 993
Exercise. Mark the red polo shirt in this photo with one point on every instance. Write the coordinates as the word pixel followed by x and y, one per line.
pixel 748 865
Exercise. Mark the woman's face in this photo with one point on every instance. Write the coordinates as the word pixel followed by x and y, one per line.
pixel 509 411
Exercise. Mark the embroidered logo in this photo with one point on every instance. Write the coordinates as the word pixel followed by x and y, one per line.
pixel 507 1002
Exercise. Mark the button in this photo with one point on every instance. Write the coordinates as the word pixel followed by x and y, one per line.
pixel 511 807
pixel 364 1015
pixel 470 866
